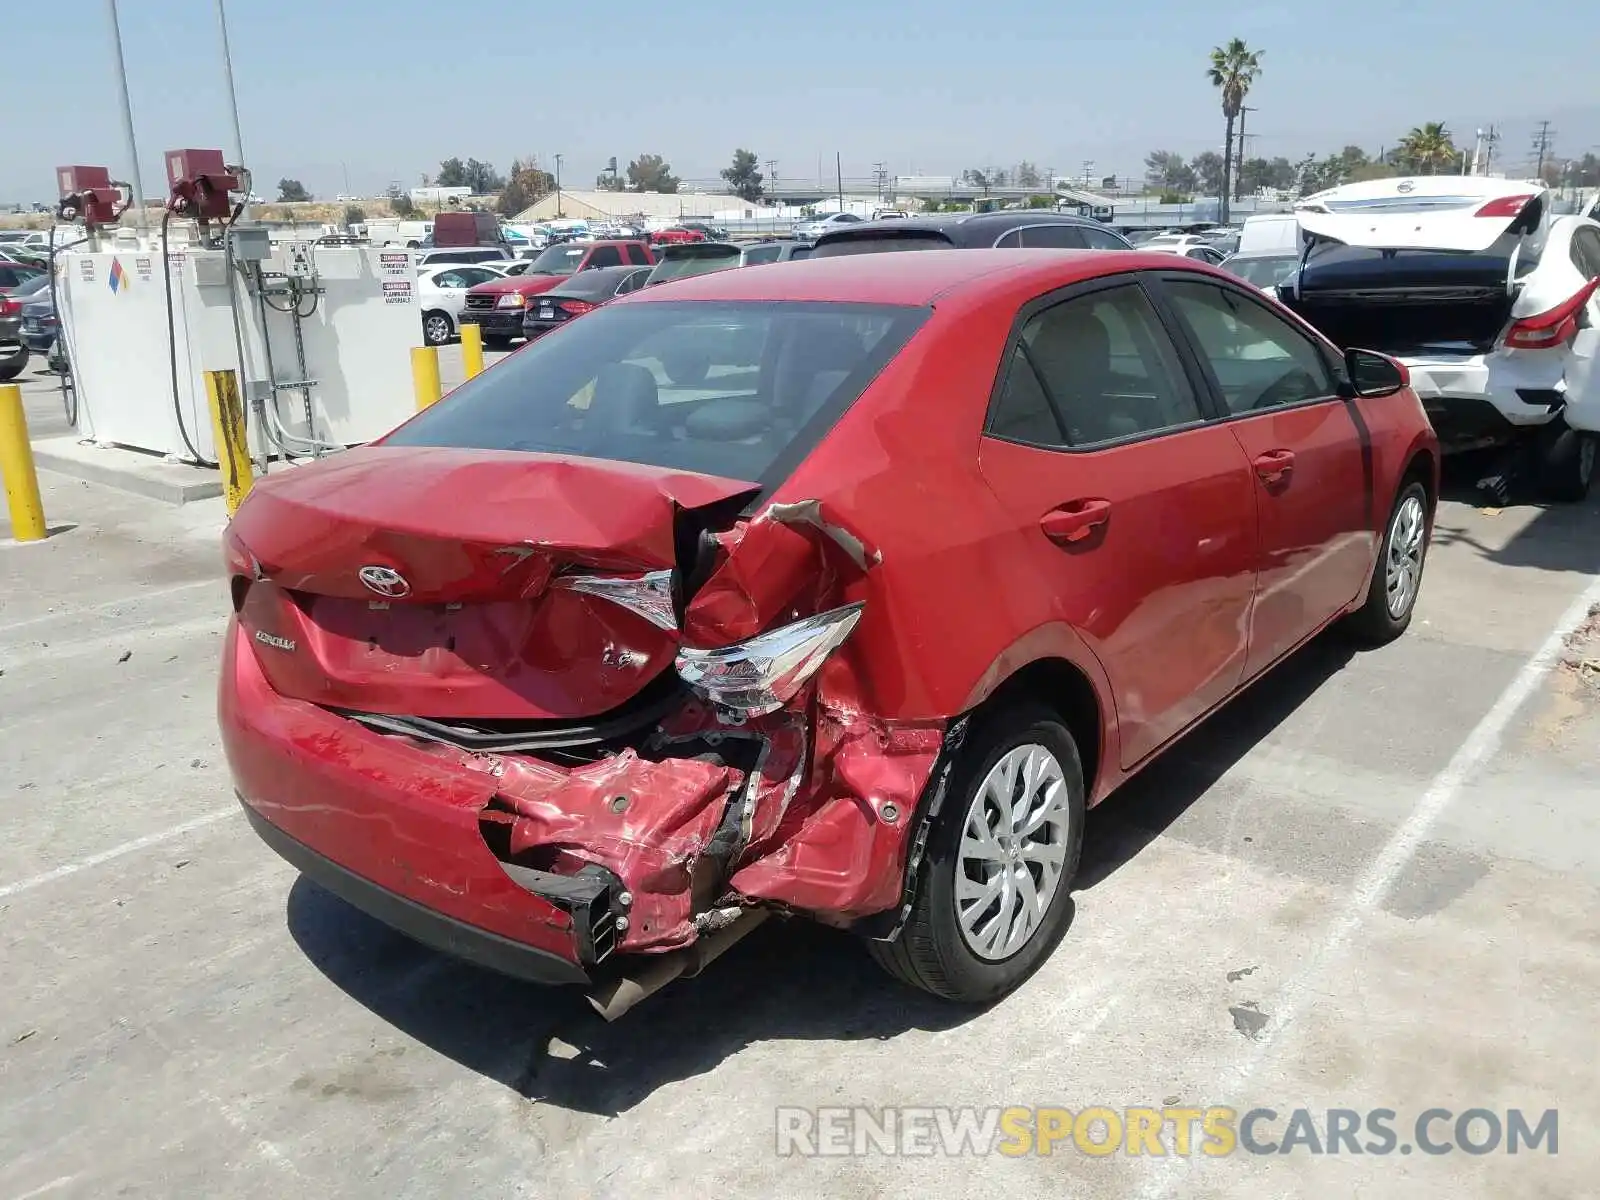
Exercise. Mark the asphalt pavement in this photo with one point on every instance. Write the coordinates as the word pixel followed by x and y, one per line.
pixel 1370 883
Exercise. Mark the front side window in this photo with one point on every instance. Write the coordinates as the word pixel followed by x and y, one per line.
pixel 1053 237
pixel 1100 367
pixel 1259 360
pixel 603 256
pixel 724 388
pixel 1102 239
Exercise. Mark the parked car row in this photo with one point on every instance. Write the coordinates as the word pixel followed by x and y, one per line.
pixel 1487 295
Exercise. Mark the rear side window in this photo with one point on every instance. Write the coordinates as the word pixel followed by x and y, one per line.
pixel 1586 252
pixel 636 254
pixel 1260 361
pixel 740 390
pixel 603 256
pixel 920 239
pixel 757 255
pixel 1098 368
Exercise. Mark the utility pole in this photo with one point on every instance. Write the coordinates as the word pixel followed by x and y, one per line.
pixel 838 172
pixel 772 176
pixel 1541 148
pixel 134 181
pixel 1491 140
pixel 1238 162
pixel 880 176
pixel 558 185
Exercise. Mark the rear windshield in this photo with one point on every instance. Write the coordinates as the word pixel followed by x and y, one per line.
pixel 911 239
pixel 1337 265
pixel 742 390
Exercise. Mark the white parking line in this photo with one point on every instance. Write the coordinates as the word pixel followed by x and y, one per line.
pixel 131 598
pixel 1300 989
pixel 94 860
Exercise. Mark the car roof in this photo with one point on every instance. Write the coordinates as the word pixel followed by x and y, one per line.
pixel 914 278
pixel 962 228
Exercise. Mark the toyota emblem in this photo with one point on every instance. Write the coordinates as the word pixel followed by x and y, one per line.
pixel 386 581
pixel 1407 186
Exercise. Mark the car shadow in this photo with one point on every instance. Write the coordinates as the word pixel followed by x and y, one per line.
pixel 788 980
pixel 1560 537
pixel 1144 808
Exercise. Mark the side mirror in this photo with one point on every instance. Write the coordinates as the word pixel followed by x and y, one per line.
pixel 1372 374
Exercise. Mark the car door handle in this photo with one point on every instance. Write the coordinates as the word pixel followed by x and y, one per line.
pixel 1075 521
pixel 1275 466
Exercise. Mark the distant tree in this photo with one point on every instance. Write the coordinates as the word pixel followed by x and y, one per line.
pixel 651 173
pixel 1041 201
pixel 483 178
pixel 1168 196
pixel 452 173
pixel 401 206
pixel 353 215
pixel 527 184
pixel 1208 168
pixel 973 177
pixel 744 181
pixel 1028 175
pixel 1233 69
pixel 1166 171
pixel 1427 148
pixel 1000 179
pixel 292 191
pixel 1585 172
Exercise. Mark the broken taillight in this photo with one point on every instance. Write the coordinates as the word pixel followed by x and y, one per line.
pixel 764 673
pixel 1552 328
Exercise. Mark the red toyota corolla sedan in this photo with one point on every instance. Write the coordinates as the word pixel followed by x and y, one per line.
pixel 838 588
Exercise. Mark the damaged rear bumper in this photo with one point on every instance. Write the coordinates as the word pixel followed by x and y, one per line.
pixel 417 921
pixel 552 871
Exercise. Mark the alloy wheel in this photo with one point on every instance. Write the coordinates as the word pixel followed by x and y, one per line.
pixel 1403 571
pixel 1013 850
pixel 437 330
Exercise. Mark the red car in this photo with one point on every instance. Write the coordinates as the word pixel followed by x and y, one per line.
pixel 676 236
pixel 498 307
pixel 838 588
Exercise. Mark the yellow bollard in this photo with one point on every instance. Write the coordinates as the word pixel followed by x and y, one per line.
pixel 16 467
pixel 425 375
pixel 227 427
pixel 472 348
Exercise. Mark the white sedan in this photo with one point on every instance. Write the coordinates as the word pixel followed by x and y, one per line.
pixel 442 294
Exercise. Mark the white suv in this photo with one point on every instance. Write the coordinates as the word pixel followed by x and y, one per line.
pixel 1488 299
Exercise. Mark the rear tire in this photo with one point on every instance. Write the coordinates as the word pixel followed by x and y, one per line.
pixel 437 328
pixel 978 929
pixel 1567 462
pixel 1397 575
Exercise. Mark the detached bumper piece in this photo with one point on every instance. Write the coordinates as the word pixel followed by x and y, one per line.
pixel 425 925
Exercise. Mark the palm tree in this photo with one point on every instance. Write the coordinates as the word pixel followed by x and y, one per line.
pixel 1428 146
pixel 1233 69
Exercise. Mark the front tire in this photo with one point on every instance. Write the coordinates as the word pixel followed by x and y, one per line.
pixel 993 897
pixel 1567 463
pixel 12 367
pixel 1397 575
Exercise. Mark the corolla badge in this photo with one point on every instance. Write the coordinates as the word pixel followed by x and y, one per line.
pixel 386 581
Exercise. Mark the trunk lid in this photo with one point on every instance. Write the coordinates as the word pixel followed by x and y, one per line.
pixel 462 613
pixel 1468 214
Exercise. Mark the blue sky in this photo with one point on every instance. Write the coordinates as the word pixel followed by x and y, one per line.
pixel 384 90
